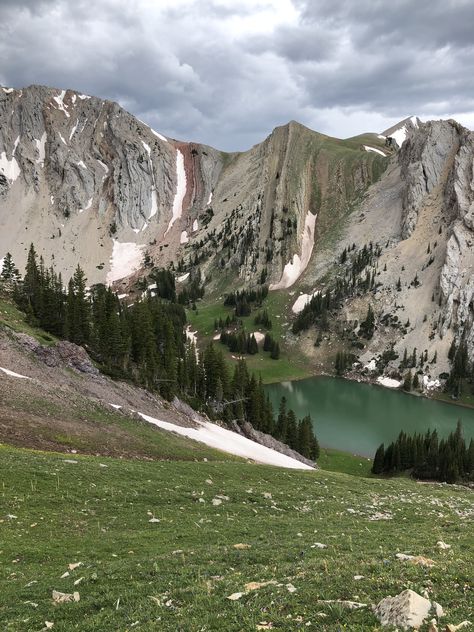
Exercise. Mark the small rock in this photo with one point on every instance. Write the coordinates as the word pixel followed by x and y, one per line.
pixel 235 596
pixel 216 502
pixel 74 565
pixel 358 577
pixel 454 628
pixel 242 547
pixel 154 520
pixel 60 597
pixel 442 545
pixel 256 585
pixel 290 588
pixel 418 560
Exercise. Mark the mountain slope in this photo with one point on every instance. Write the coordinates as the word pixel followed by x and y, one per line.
pixel 164 545
pixel 89 183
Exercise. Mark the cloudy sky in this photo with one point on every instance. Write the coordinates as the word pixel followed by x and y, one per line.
pixel 225 72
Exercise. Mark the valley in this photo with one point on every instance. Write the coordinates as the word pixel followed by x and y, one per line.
pixel 158 297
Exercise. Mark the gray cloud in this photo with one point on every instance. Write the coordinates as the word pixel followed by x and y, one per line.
pixel 226 73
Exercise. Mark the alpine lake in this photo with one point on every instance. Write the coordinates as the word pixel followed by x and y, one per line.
pixel 357 417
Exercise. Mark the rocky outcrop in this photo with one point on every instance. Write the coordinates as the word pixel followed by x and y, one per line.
pixel 61 354
pixel 247 430
pixel 425 157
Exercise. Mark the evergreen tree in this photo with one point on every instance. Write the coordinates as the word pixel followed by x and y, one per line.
pixel 378 464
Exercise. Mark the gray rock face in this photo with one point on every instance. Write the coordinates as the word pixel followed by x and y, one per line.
pixel 77 166
pixel 63 353
pixel 423 158
pixel 270 442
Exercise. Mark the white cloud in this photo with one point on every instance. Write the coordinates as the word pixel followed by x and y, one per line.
pixel 226 73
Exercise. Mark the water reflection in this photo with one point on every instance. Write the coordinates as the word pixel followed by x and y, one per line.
pixel 357 417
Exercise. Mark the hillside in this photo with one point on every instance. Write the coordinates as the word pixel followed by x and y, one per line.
pixel 90 184
pixel 164 545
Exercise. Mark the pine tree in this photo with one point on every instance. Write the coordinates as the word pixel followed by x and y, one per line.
pixel 407 382
pixel 416 381
pixel 282 420
pixel 378 464
pixel 9 274
pixel 275 353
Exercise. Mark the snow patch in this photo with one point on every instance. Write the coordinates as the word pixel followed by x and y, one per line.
pixel 302 301
pixel 41 148
pixel 293 270
pixel 182 278
pixel 13 374
pixel 222 439
pixel 258 336
pixel 210 199
pixel 400 135
pixel 180 189
pixel 184 237
pixel 191 335
pixel 372 365
pixel 126 258
pixel 87 206
pixel 81 164
pixel 9 168
pixel 73 131
pixel 377 151
pixel 195 225
pixel 158 135
pixel 83 96
pixel 7 90
pixel 430 384
pixel 388 382
pixel 59 100
pixel 61 137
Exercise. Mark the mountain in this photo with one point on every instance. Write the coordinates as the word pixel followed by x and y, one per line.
pixel 91 184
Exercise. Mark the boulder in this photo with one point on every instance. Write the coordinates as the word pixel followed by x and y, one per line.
pixel 406 610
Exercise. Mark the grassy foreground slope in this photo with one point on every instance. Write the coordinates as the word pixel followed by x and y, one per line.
pixel 177 574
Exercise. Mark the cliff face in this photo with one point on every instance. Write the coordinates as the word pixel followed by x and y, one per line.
pixel 88 183
pixel 83 172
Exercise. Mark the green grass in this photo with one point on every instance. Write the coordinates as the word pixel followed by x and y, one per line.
pixel 290 366
pixel 337 461
pixel 176 574
pixel 12 318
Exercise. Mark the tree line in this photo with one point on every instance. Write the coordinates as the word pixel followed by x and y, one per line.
pixel 144 342
pixel 449 460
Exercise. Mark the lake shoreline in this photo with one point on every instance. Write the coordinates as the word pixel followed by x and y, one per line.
pixel 351 416
pixel 362 379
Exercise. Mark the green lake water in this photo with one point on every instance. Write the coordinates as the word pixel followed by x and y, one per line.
pixel 357 417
